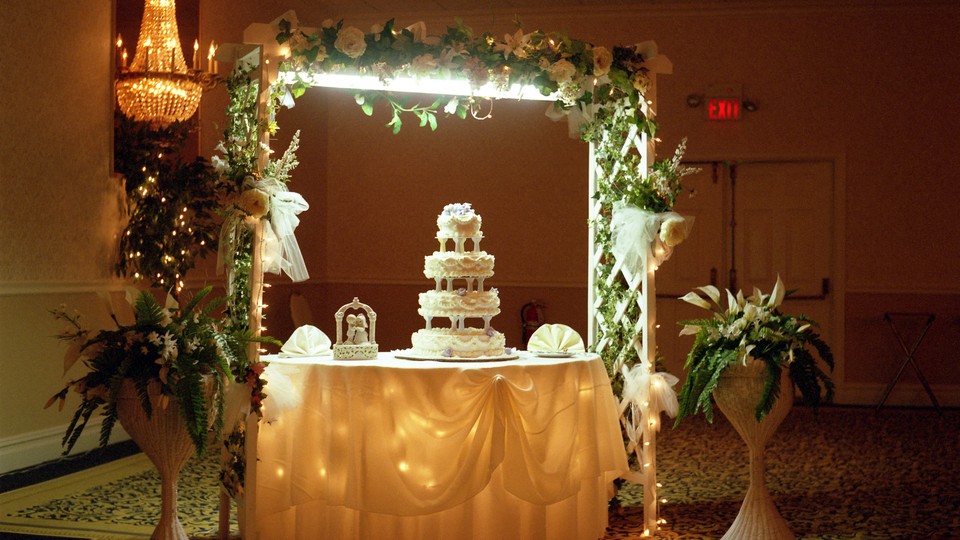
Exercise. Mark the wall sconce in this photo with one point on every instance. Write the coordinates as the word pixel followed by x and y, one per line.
pixel 158 88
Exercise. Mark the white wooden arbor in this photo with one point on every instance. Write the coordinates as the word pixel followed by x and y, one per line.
pixel 261 49
pixel 642 287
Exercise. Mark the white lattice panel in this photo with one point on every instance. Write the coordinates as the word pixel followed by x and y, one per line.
pixel 641 290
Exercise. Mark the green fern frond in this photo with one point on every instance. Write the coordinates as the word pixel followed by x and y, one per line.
pixel 771 390
pixel 148 311
pixel 194 301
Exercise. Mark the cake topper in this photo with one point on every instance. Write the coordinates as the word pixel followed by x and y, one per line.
pixel 358 345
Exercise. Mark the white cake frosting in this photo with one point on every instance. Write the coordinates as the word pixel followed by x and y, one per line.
pixel 461 304
pixel 450 264
pixel 465 343
pixel 458 270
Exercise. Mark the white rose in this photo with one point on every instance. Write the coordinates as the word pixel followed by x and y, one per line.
pixel 423 64
pixel 640 82
pixel 254 202
pixel 562 71
pixel 673 230
pixel 351 42
pixel 602 60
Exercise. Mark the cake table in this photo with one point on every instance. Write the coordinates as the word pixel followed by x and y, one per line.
pixel 391 448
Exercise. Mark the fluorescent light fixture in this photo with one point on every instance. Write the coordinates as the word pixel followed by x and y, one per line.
pixel 420 85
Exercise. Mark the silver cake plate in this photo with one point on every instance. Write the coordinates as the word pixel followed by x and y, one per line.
pixel 554 354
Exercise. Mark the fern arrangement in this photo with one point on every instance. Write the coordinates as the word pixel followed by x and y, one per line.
pixel 752 327
pixel 178 347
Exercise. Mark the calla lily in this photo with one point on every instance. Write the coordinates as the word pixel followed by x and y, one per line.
pixel 803 328
pixel 689 330
pixel 732 305
pixel 712 292
pixel 693 298
pixel 776 297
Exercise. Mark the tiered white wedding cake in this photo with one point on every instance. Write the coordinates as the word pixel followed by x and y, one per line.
pixel 459 292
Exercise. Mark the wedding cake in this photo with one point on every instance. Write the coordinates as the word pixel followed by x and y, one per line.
pixel 458 270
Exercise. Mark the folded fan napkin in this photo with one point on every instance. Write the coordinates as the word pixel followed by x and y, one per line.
pixel 555 338
pixel 306 341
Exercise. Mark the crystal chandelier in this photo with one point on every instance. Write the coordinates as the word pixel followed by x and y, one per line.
pixel 158 88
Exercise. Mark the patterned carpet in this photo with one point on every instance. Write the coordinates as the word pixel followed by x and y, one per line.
pixel 843 474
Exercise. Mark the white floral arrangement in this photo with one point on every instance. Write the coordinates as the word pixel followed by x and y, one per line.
pixel 751 328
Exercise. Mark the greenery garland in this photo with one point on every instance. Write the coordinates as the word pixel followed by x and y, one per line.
pixel 623 179
pixel 580 74
pixel 238 169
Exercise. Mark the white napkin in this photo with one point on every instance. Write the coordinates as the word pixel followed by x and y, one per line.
pixel 555 338
pixel 306 341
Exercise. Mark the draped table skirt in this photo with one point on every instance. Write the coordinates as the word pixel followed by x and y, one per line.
pixel 392 448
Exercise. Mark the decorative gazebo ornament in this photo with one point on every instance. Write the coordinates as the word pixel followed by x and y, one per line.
pixel 358 344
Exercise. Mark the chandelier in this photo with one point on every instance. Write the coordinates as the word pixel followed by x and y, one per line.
pixel 158 88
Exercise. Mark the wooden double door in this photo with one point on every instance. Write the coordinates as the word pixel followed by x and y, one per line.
pixel 753 221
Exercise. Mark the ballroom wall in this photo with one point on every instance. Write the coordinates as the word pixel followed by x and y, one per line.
pixel 59 206
pixel 868 85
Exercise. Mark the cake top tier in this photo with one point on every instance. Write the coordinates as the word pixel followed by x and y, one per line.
pixel 458 220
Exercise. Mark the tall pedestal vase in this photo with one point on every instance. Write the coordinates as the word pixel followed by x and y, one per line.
pixel 737 396
pixel 164 439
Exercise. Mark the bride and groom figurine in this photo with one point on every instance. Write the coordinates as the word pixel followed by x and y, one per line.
pixel 353 340
pixel 357 330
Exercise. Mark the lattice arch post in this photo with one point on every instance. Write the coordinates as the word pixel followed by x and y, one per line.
pixel 621 336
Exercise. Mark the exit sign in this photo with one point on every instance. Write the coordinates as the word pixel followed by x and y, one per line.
pixel 723 108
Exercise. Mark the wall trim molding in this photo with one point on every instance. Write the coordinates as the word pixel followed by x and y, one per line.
pixel 62 287
pixel 902 395
pixel 419 283
pixel 26 450
pixel 925 290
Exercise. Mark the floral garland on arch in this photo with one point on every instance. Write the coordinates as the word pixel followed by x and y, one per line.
pixel 583 77
pixel 254 193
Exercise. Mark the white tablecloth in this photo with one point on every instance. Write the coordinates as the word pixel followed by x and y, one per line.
pixel 392 448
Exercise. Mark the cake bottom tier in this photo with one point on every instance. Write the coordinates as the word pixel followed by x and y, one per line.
pixel 465 343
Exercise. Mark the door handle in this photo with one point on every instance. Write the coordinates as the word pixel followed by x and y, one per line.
pixel 713 276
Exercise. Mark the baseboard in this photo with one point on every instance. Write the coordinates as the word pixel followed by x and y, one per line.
pixel 902 395
pixel 42 446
